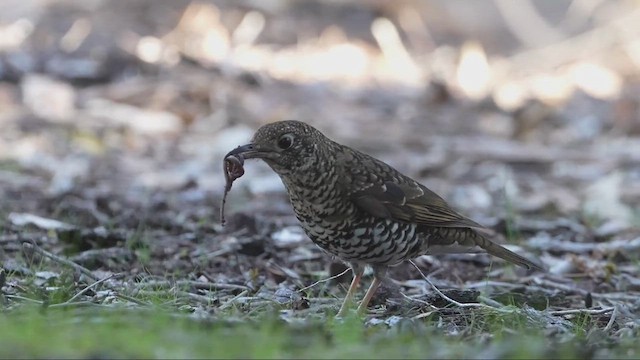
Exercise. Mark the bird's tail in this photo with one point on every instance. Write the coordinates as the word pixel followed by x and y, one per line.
pixel 506 254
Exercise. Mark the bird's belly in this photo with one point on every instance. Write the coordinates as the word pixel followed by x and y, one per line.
pixel 382 242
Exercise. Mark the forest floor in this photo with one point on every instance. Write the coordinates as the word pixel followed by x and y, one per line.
pixel 111 243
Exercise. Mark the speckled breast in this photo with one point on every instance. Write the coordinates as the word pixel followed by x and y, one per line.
pixel 368 240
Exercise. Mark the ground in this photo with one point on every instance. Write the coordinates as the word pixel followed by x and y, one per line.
pixel 114 126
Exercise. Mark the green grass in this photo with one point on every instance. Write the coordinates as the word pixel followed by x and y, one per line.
pixel 152 333
pixel 170 327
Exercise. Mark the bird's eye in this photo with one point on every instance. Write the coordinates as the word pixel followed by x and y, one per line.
pixel 285 141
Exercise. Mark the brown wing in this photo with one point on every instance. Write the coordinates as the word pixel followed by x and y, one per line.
pixel 409 202
pixel 382 191
pixel 416 203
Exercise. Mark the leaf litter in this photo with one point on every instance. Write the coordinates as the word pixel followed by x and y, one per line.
pixel 129 210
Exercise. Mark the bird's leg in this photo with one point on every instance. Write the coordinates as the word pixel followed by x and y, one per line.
pixel 357 275
pixel 379 274
pixel 375 284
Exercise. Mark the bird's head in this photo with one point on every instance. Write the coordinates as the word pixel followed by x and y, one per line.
pixel 288 147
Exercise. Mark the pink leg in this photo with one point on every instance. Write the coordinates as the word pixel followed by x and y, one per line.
pixel 367 297
pixel 357 275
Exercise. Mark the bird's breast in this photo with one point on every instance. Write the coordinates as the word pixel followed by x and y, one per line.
pixel 345 233
pixel 337 225
pixel 381 241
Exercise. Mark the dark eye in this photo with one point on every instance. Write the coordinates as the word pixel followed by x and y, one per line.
pixel 285 141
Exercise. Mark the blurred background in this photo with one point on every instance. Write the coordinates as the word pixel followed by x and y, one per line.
pixel 116 114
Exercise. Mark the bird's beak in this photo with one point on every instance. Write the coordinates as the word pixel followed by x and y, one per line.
pixel 247 151
pixel 250 151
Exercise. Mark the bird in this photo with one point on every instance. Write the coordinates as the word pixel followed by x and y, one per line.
pixel 361 210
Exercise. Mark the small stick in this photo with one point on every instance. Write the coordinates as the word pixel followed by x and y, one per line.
pixel 324 280
pixel 582 311
pixel 630 295
pixel 129 298
pixel 78 304
pixel 230 302
pixel 95 284
pixel 18 297
pixel 191 283
pixel 417 300
pixel 79 268
pixel 612 319
pixel 489 301
pixel 454 302
pixel 202 299
pixel 12 238
pixel 60 260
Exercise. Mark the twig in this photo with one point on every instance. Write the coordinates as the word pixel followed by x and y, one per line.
pixel 324 280
pixel 79 268
pixel 629 296
pixel 490 302
pixel 12 238
pixel 612 319
pixel 79 303
pixel 206 300
pixel 424 315
pixel 230 302
pixel 454 302
pixel 480 284
pixel 60 260
pixel 129 298
pixel 547 244
pixel 18 297
pixel 582 311
pixel 95 284
pixel 194 284
pixel 216 253
pixel 417 300
pixel 559 286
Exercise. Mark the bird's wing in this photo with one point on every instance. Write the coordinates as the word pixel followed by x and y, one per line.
pixel 380 190
pixel 409 202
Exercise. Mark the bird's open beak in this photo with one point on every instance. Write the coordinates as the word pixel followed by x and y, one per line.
pixel 245 151
pixel 250 151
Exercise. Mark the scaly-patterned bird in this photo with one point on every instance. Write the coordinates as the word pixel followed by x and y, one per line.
pixel 361 210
